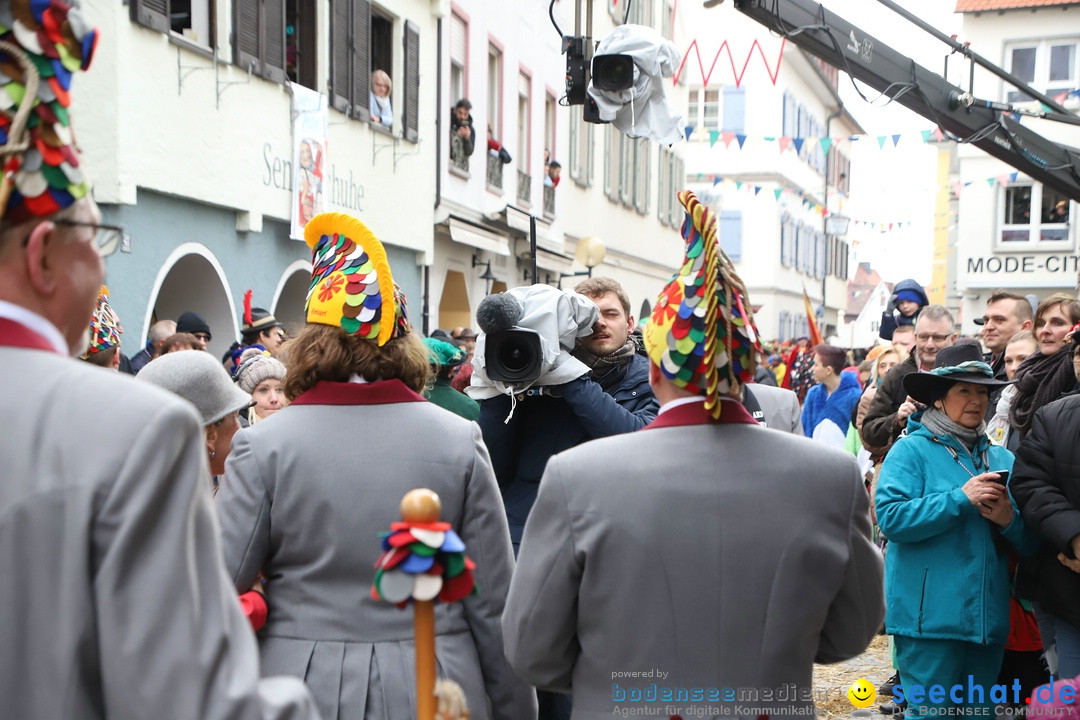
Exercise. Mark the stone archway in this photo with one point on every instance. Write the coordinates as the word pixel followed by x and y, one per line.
pixel 291 295
pixel 191 278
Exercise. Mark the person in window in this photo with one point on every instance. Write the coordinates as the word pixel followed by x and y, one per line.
pixel 379 104
pixel 551 179
pixel 1059 213
pixel 462 134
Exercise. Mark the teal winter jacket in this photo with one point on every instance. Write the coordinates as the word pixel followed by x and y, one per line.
pixel 946 577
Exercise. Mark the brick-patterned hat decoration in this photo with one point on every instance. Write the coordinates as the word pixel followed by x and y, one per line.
pixel 701 333
pixel 42 44
pixel 104 325
pixel 351 285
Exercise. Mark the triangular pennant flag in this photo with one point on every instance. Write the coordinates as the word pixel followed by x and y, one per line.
pixel 757 189
pixel 700 176
pixel 826 143
pixel 713 136
pixel 776 194
pixel 880 141
pixel 938 135
pixel 741 138
pixel 717 180
pixel 728 137
pixel 1002 179
pixel 784 142
pixel 1013 176
pixel 798 143
pixel 895 140
pixel 957 187
pixel 769 138
pixel 738 184
pixel 689 130
pixel 890 226
pixel 926 136
pixel 990 181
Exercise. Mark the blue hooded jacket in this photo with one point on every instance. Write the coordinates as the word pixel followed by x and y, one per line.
pixel 892 319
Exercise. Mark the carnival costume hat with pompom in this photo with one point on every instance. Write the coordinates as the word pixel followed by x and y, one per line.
pixel 701 333
pixel 104 325
pixel 351 285
pixel 42 43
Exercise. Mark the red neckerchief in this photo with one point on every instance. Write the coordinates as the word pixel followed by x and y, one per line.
pixel 382 392
pixel 694 414
pixel 13 334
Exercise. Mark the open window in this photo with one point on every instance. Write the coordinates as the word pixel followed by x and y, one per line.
pixel 192 20
pixel 301 36
pixel 1033 215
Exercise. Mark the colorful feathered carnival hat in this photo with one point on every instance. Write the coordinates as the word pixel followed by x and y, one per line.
pixel 351 285
pixel 104 325
pixel 701 334
pixel 42 43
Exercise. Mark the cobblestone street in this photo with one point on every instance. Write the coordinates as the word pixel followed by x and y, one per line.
pixel 832 681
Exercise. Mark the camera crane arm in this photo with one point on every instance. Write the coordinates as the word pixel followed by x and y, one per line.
pixel 987 125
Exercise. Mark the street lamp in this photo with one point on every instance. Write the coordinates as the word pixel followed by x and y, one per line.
pixel 487 274
pixel 590 252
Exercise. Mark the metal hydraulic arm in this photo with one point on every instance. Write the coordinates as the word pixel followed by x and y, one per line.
pixel 985 124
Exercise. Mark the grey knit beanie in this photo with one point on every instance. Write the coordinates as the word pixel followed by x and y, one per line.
pixel 199 378
pixel 253 366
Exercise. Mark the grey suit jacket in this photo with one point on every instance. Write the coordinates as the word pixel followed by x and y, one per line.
pixel 114 602
pixel 722 558
pixel 779 406
pixel 305 495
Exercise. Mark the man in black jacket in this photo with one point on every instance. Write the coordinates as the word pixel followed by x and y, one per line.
pixel 462 135
pixel 1047 490
pixel 890 409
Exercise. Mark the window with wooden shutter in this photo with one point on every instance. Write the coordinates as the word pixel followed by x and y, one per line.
pixel 259 38
pixel 412 81
pixel 153 14
pixel 361 69
pixel 340 54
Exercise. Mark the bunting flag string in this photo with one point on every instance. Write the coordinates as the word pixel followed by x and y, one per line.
pixel 788 196
pixel 784 142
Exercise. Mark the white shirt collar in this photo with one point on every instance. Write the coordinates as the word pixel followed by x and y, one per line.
pixel 681 401
pixel 37 323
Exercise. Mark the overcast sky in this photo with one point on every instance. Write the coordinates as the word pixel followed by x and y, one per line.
pixel 895 184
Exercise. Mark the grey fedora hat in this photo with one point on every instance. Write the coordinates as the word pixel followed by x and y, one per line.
pixel 197 376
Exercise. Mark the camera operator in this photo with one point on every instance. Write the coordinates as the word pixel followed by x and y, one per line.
pixel 613 397
pixel 523 430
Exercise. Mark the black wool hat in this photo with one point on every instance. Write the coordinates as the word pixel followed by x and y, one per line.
pixel 190 322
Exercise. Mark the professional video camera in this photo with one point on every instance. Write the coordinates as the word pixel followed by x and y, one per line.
pixel 623 82
pixel 526 335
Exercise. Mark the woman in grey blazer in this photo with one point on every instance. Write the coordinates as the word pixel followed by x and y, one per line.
pixel 307 492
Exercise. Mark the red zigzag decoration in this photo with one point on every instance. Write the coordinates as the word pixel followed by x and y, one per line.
pixel 773 72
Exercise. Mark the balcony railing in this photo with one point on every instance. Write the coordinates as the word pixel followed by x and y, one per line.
pixel 524 187
pixel 549 201
pixel 494 172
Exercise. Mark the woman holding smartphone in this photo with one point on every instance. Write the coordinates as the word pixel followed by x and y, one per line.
pixel 943 502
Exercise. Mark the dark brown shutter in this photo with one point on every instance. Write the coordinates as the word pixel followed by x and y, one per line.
pixel 361 68
pixel 340 53
pixel 247 35
pixel 153 14
pixel 412 81
pixel 274 40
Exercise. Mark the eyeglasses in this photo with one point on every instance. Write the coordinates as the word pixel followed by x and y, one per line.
pixel 107 238
pixel 202 336
pixel 928 336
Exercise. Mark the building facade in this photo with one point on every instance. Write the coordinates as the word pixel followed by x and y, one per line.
pixel 194 156
pixel 768 150
pixel 1015 233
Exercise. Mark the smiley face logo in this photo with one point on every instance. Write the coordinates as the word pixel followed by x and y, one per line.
pixel 861 693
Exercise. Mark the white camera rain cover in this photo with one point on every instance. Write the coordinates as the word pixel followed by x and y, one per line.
pixel 642 110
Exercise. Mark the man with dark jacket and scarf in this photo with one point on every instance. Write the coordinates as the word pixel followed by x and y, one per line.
pixel 614 397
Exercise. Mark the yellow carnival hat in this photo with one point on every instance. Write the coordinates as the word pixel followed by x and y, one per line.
pixel 701 333
pixel 351 285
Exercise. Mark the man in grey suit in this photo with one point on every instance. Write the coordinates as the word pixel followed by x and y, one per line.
pixel 710 562
pixel 114 601
pixel 773 407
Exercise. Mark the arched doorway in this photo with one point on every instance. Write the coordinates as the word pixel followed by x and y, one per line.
pixel 454 304
pixel 291 295
pixel 192 279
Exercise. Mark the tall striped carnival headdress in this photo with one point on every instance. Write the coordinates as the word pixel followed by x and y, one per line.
pixel 701 333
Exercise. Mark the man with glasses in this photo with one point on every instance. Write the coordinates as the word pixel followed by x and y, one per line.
pixel 891 406
pixel 193 323
pixel 114 600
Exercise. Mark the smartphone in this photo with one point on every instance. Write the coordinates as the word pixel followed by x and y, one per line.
pixel 1004 477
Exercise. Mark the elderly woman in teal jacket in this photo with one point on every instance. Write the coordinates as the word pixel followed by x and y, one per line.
pixel 943 502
